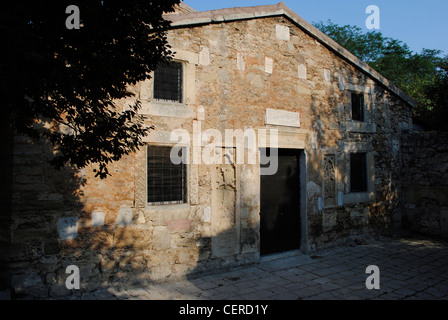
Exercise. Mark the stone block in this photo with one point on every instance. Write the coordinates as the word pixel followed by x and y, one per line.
pixel 327 75
pixel 340 198
pixel 207 217
pixel 301 72
pixel 49 197
pixel 201 113
pixel 255 80
pixel 97 219
pixel 124 217
pixel 415 192
pixel 146 90
pixel 282 32
pixel 204 57
pixel 361 127
pixel 269 65
pixel 329 220
pixel 59 290
pixel 162 109
pixel 68 228
pixel 302 90
pixel 181 225
pixel 240 62
pixel 282 118
pixel 444 221
pixel 51 248
pixel 161 238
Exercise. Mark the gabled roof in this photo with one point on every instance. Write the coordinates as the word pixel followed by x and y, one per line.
pixel 280 9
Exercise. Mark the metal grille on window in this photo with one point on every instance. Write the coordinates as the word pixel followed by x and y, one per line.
pixel 357 107
pixel 168 82
pixel 358 172
pixel 166 180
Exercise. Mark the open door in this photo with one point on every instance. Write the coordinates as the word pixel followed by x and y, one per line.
pixel 280 204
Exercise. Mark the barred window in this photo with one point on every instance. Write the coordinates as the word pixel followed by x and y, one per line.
pixel 167 181
pixel 357 107
pixel 168 82
pixel 358 172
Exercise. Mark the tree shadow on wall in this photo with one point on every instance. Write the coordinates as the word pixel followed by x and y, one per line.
pixel 330 116
pixel 40 197
pixel 113 260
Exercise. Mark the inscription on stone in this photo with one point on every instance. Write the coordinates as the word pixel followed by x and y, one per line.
pixel 329 180
pixel 282 118
pixel 224 197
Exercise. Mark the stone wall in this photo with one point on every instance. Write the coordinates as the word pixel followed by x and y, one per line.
pixel 234 73
pixel 255 65
pixel 425 182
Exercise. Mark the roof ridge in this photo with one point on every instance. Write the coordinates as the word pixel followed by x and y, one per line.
pixel 182 8
pixel 243 11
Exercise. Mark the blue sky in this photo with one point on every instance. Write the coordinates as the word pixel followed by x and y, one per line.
pixel 420 24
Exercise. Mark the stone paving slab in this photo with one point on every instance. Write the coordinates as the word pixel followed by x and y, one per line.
pixel 410 268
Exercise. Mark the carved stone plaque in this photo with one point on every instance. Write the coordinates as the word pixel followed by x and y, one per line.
pixel 224 199
pixel 330 181
pixel 282 118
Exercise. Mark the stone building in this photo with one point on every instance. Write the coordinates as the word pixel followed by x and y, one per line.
pixel 285 141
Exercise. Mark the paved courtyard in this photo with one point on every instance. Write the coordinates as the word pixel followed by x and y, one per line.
pixel 410 268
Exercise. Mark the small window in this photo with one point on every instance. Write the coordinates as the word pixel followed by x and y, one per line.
pixel 167 181
pixel 358 172
pixel 357 107
pixel 168 82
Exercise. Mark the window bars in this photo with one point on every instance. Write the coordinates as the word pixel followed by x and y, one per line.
pixel 168 82
pixel 166 180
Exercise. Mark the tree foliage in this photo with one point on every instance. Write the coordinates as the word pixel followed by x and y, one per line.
pixel 423 76
pixel 72 79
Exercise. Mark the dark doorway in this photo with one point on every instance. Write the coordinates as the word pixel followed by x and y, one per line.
pixel 280 203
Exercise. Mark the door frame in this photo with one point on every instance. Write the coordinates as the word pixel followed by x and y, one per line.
pixel 303 207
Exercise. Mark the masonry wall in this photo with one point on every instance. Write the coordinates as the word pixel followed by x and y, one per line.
pixel 234 72
pixel 425 182
pixel 6 170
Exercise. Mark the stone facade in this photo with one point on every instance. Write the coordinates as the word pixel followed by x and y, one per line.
pixel 255 69
pixel 425 182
